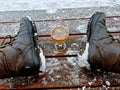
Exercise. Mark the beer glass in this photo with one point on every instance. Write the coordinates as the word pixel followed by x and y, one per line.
pixel 59 35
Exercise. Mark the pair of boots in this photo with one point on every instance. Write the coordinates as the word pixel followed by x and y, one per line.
pixel 21 56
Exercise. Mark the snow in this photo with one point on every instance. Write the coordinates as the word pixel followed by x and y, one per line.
pixel 53 5
pixel 90 83
pixel 43 60
pixel 82 59
pixel 107 83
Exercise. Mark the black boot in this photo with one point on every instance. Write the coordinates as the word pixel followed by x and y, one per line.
pixel 21 57
pixel 104 51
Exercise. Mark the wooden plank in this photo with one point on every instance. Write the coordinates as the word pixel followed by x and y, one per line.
pixel 48 46
pixel 74 25
pixel 63 73
pixel 73 45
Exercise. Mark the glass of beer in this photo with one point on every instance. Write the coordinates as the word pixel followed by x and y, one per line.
pixel 59 35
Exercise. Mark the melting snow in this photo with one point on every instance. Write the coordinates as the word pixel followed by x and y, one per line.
pixel 43 60
pixel 90 83
pixel 82 60
pixel 107 83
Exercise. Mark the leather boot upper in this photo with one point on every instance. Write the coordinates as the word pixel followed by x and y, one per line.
pixel 104 51
pixel 21 57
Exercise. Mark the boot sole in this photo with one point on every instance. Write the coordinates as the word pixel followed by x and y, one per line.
pixel 34 31
pixel 35 35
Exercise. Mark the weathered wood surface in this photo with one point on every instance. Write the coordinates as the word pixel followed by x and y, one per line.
pixel 74 25
pixel 62 70
pixel 62 73
pixel 76 19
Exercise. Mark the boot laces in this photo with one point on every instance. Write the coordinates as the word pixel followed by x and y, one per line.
pixel 5 43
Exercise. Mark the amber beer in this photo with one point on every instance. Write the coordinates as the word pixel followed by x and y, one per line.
pixel 59 34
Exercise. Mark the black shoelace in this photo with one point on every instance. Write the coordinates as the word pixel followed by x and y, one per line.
pixel 4 42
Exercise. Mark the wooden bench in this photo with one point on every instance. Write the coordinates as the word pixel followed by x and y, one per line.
pixel 62 70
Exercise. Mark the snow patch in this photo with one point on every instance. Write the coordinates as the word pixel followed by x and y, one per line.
pixel 107 83
pixel 82 59
pixel 43 60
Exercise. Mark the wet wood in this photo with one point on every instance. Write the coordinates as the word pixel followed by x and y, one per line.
pixel 47 44
pixel 62 70
pixel 74 25
pixel 96 84
pixel 63 73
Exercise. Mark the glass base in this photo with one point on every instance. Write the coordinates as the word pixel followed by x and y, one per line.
pixel 60 47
